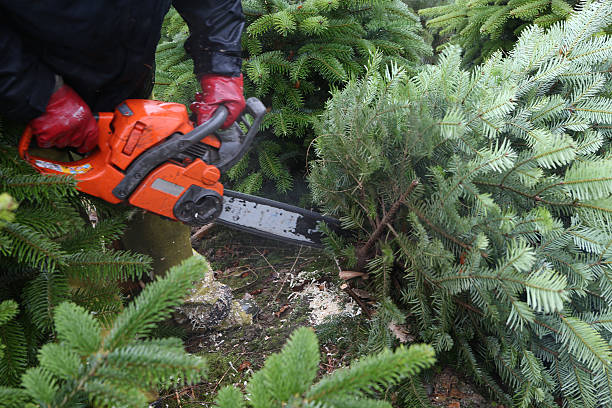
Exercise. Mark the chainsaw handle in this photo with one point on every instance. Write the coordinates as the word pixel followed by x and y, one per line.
pixel 210 126
pixel 159 154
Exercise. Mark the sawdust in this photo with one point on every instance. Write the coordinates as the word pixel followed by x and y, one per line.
pixel 325 301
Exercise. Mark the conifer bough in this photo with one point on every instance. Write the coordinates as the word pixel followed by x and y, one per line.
pixel 114 366
pixel 51 253
pixel 482 27
pixel 287 378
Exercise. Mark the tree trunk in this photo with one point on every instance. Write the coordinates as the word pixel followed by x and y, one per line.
pixel 166 241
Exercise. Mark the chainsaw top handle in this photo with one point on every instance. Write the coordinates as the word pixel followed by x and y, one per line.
pixel 210 126
pixel 157 155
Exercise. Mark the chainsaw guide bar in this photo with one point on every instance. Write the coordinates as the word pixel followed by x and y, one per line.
pixel 273 219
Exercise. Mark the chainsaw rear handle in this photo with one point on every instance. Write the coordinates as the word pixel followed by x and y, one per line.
pixel 197 134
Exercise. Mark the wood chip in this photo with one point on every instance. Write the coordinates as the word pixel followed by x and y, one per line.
pixel 401 333
pixel 346 275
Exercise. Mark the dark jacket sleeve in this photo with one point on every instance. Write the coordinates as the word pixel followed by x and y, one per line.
pixel 215 28
pixel 25 83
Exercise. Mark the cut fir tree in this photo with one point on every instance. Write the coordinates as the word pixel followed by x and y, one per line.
pixel 484 199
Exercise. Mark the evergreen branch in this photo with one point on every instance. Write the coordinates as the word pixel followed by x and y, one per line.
pixel 13 361
pixel 83 337
pixel 292 371
pixel 581 339
pixel 110 265
pixel 13 397
pixel 42 294
pixel 153 303
pixel 388 217
pixel 501 153
pixel 368 372
pixel 33 248
pixel 536 197
pixel 440 231
pixel 8 310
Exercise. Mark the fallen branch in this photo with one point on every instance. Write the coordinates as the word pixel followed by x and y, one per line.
pixel 357 299
pixel 201 232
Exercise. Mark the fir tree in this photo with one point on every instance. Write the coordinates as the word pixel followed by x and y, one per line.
pixel 116 366
pixel 487 195
pixel 287 378
pixel 482 27
pixel 50 252
pixel 295 51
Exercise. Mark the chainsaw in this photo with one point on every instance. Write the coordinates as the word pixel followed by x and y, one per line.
pixel 150 156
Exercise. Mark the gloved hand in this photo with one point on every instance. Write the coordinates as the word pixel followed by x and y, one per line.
pixel 67 121
pixel 219 90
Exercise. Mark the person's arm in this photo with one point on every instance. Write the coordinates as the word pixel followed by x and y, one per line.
pixel 31 92
pixel 215 28
pixel 26 84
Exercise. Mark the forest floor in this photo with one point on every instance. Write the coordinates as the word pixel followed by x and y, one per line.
pixel 292 287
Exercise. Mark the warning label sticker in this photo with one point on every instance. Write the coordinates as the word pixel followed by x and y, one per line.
pixel 63 169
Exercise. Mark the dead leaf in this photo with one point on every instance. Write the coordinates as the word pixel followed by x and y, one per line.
pixel 401 333
pixel 245 274
pixel 346 275
pixel 282 310
pixel 256 292
pixel 245 365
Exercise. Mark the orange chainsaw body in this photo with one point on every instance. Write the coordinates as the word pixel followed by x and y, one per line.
pixel 135 127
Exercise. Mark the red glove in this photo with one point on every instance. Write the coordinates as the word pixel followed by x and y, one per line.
pixel 219 90
pixel 67 121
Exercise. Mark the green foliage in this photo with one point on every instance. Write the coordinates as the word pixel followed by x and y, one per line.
pixel 117 366
pixel 482 27
pixel 486 194
pixel 295 52
pixel 287 377
pixel 50 252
